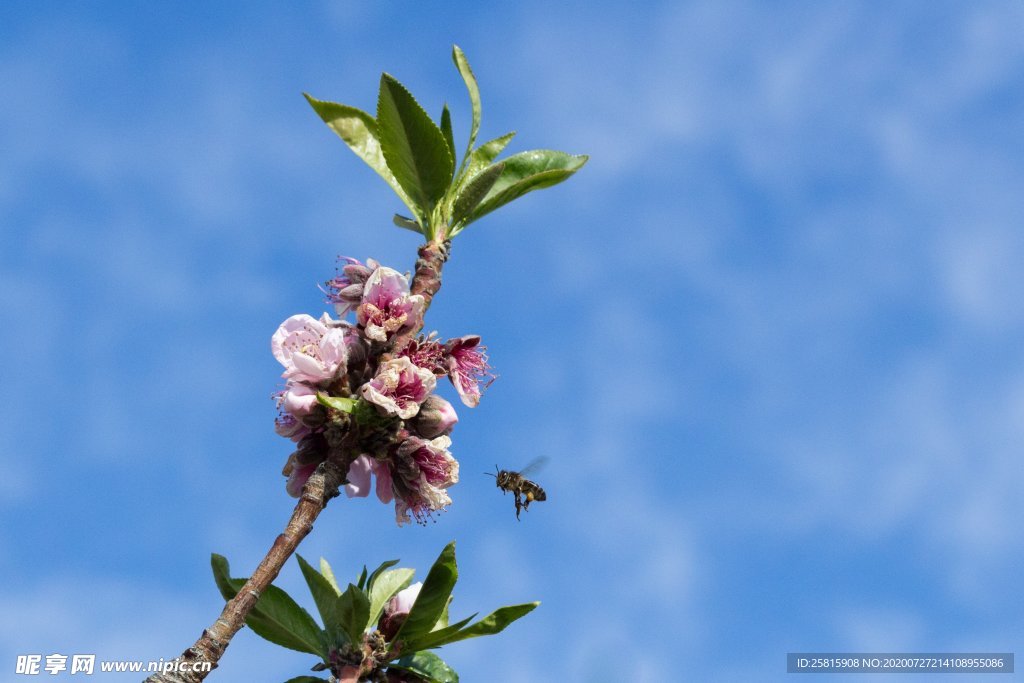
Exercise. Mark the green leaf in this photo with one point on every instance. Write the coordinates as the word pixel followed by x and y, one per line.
pixel 377 572
pixel 276 617
pixel 442 621
pixel 343 405
pixel 525 172
pixel 496 621
pixel 324 595
pixel 438 637
pixel 462 64
pixel 446 130
pixel 383 586
pixel 473 193
pixel 413 146
pixel 483 155
pixel 328 573
pixel 427 665
pixel 306 679
pixel 433 596
pixel 353 613
pixel 362 580
pixel 359 131
pixel 407 223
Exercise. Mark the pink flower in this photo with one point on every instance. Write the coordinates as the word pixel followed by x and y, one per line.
pixel 397 610
pixel 289 427
pixel 310 452
pixel 422 472
pixel 310 350
pixel 436 417
pixel 467 368
pixel 345 290
pixel 297 474
pixel 399 387
pixel 426 353
pixel 387 306
pixel 358 485
pixel 298 399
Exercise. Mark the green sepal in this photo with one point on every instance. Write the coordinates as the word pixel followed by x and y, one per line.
pixel 359 131
pixel 276 617
pixel 525 172
pixel 383 586
pixel 427 665
pixel 413 147
pixel 339 403
pixel 353 613
pixel 433 597
pixel 324 595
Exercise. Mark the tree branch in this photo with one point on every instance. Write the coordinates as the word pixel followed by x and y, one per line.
pixel 322 485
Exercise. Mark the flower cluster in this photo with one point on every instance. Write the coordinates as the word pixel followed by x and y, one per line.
pixel 355 393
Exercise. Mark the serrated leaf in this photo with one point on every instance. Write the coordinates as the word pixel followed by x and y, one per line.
pixel 525 172
pixel 324 595
pixel 339 403
pixel 359 131
pixel 276 617
pixel 427 665
pixel 413 146
pixel 483 155
pixel 353 613
pixel 383 586
pixel 328 573
pixel 407 223
pixel 462 64
pixel 474 192
pixel 446 130
pixel 433 597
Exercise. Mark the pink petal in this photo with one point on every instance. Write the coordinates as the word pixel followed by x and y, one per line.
pixel 358 485
pixel 384 490
pixel 297 479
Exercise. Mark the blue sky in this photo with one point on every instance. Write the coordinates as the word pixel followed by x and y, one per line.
pixel 770 336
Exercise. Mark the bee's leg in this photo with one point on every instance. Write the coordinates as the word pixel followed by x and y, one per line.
pixel 519 504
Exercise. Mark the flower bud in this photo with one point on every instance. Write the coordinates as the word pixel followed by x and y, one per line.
pixel 297 474
pixel 397 610
pixel 436 417
pixel 312 449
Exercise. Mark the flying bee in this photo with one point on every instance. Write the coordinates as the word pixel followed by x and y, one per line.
pixel 525 491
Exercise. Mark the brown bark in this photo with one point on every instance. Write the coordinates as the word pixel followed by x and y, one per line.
pixel 319 489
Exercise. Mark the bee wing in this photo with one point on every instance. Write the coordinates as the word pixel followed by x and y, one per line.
pixel 534 465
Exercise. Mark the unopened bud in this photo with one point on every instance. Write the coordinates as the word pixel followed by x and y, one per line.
pixel 397 610
pixel 436 417
pixel 312 449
